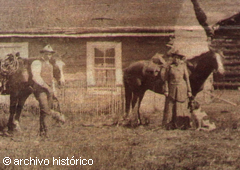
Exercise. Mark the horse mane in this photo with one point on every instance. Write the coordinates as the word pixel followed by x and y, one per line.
pixel 200 59
pixel 135 67
pixel 200 67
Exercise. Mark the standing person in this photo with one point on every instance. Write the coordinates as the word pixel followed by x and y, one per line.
pixel 43 84
pixel 177 92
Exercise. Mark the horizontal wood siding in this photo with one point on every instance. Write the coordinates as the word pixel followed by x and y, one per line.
pixel 74 50
pixel 230 45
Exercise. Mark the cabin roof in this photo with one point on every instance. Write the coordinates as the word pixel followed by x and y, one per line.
pixel 229 26
pixel 80 17
pixel 231 21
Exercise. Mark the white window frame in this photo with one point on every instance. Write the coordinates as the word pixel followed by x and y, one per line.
pixel 91 79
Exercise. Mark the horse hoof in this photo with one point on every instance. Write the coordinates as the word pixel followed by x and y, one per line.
pixel 43 135
pixel 62 119
pixel 14 128
pixel 7 134
pixel 139 122
pixel 59 117
pixel 122 118
pixel 17 126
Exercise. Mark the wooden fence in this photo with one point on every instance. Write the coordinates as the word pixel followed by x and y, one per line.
pixel 75 97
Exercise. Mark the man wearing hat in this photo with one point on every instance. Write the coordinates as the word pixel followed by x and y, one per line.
pixel 43 84
pixel 177 91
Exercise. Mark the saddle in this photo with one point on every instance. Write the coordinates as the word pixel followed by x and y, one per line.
pixel 155 70
pixel 8 66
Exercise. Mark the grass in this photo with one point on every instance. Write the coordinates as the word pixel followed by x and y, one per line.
pixel 118 147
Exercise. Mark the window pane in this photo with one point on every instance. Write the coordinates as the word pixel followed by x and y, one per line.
pixel 110 62
pixel 99 62
pixel 110 78
pixel 98 53
pixel 100 78
pixel 110 52
pixel 105 78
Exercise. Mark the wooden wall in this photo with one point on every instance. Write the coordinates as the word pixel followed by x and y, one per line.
pixel 74 49
pixel 230 45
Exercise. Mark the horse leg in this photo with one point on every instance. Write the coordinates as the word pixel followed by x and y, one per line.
pixel 134 100
pixel 138 107
pixel 128 99
pixel 13 106
pixel 137 98
pixel 21 101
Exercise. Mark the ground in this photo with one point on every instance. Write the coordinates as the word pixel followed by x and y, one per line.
pixel 118 147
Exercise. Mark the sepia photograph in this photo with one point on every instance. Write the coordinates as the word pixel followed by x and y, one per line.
pixel 110 84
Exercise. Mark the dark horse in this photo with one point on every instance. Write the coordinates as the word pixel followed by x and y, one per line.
pixel 144 75
pixel 17 82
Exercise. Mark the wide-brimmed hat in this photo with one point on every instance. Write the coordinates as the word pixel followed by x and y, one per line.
pixel 175 53
pixel 47 48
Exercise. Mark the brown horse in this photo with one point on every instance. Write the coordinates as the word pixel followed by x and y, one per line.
pixel 144 75
pixel 18 83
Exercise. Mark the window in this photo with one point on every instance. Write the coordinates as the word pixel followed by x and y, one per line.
pixel 22 48
pixel 104 66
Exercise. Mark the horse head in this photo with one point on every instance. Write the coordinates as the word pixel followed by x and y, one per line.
pixel 58 66
pixel 207 62
pixel 151 69
pixel 200 67
pixel 218 56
